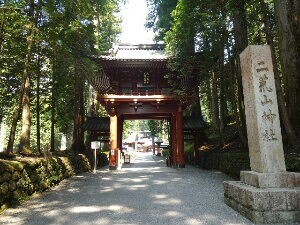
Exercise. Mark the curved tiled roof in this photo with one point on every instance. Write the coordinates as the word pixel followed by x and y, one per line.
pixel 126 52
pixel 193 123
pixel 101 124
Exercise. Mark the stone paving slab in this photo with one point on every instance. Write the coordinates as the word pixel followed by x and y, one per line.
pixel 145 192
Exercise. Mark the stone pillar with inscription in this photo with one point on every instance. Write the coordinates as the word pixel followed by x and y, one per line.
pixel 267 193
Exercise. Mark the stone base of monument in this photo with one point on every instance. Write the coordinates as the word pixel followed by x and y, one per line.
pixel 265 197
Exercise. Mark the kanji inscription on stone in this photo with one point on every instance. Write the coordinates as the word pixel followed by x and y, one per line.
pixel 261 108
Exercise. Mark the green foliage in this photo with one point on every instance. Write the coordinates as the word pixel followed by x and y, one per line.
pixel 189 147
pixel 159 17
pixel 134 125
pixel 66 34
pixel 154 127
pixel 20 179
pixel 12 46
pixel 292 162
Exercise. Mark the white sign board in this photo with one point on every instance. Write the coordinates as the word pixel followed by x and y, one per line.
pixel 112 152
pixel 95 145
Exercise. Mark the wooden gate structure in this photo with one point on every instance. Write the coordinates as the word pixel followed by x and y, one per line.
pixel 132 85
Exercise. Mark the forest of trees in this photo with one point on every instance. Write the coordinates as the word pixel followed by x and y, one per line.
pixel 43 67
pixel 205 38
pixel 44 63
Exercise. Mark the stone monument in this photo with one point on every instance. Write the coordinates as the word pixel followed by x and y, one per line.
pixel 267 193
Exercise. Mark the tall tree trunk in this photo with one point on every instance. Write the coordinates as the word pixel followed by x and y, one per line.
pixel 1 119
pixel 2 124
pixel 38 123
pixel 26 114
pixel 78 133
pixel 15 119
pixel 196 108
pixel 234 101
pixel 214 103
pixel 91 102
pixel 221 103
pixel 199 136
pixel 2 30
pixel 38 79
pixel 288 21
pixel 220 65
pixel 53 110
pixel 241 42
pixel 280 98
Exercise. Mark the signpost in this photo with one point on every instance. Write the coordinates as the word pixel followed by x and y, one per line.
pixel 95 145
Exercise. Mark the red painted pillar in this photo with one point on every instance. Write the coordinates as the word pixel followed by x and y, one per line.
pixel 119 138
pixel 119 133
pixel 173 139
pixel 114 156
pixel 179 139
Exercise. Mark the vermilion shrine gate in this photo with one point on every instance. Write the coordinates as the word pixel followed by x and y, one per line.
pixel 132 86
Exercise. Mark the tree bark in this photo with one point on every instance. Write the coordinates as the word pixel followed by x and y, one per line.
pixel 221 103
pixel 1 119
pixel 280 97
pixel 241 42
pixel 78 133
pixel 235 100
pixel 38 123
pixel 53 111
pixel 15 119
pixel 26 114
pixel 214 103
pixel 287 16
pixel 2 30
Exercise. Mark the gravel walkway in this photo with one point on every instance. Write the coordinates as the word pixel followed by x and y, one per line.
pixel 146 192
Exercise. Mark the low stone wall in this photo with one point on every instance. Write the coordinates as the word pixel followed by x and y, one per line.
pixel 232 163
pixel 20 179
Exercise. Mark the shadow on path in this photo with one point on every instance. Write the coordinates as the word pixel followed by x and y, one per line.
pixel 145 192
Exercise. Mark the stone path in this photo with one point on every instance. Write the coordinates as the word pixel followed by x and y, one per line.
pixel 146 192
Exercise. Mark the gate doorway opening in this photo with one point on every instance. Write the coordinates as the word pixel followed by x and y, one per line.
pixel 146 136
pixel 132 85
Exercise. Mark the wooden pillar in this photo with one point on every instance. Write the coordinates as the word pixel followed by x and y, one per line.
pixel 119 138
pixel 173 140
pixel 179 138
pixel 119 133
pixel 114 162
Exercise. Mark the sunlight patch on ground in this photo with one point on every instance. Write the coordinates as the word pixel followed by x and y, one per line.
pixel 117 186
pixel 137 187
pixel 159 182
pixel 54 213
pixel 194 221
pixel 73 190
pixel 93 209
pixel 158 169
pixel 135 180
pixel 86 209
pixel 104 221
pixel 107 190
pixel 13 219
pixel 160 196
pixel 173 214
pixel 168 201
